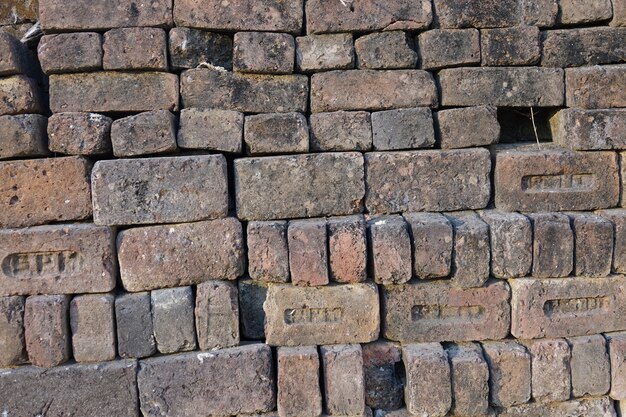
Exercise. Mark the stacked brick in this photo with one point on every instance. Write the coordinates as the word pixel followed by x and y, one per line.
pixel 313 207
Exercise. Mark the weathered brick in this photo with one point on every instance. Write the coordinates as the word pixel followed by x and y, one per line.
pixel 471 251
pixel 580 129
pixel 135 49
pixel 384 388
pixel 268 253
pixel 587 46
pixel 591 407
pixel 276 133
pixel 330 184
pixel 93 327
pixel 79 133
pixel 566 307
pixel 386 50
pixel 341 131
pixel 470 377
pixel 597 87
pixel 403 129
pixel 47 330
pixel 517 45
pixel 344 389
pixel 573 12
pixel 432 241
pixel 264 52
pixel 509 373
pixel 616 344
pixel 135 330
pixel 217 315
pixel 70 52
pixel 550 362
pixel 440 48
pixel 189 48
pixel 553 245
pixel 427 180
pixel 438 311
pixel 308 252
pixel 593 240
pixel 252 295
pixel 390 246
pixel 23 135
pixel 171 382
pixel 18 30
pixel 618 218
pixel 554 180
pixel 299 391
pixel 590 368
pixel 16 58
pixel 326 315
pixel 180 254
pixel 25 191
pixel 477 13
pixel 216 130
pixel 12 343
pixel 510 87
pixel 172 318
pixel 16 11
pixel 467 127
pixel 619 13
pixel 343 90
pixel 324 52
pixel 159 190
pixel 347 249
pixel 19 95
pixel 540 13
pixel 151 132
pixel 428 388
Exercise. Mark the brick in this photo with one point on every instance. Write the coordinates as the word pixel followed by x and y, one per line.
pixel 583 407
pixel 12 343
pixel 432 241
pixel 20 95
pixel 135 49
pixel 511 243
pixel 171 382
pixel 159 190
pixel 618 218
pixel 15 58
pixel 79 389
pixel 308 252
pixel 326 315
pixel 468 127
pixel 135 330
pixel 180 254
pixel 616 344
pixel 596 87
pixel 555 180
pixel 70 52
pixel 440 48
pixel 173 319
pixel 542 13
pixel 438 311
pixel 190 47
pixel 268 253
pixel 347 249
pixel 403 129
pixel 25 191
pixel 245 15
pixel 422 180
pixel 476 13
pixel 342 90
pixel 314 185
pixel 550 361
pixel 19 30
pixel 593 245
pixel 16 11
pixel 298 382
pixel 590 368
pixel 93 327
pixel 580 129
pixel 509 373
pixel 264 53
pixel 573 12
pixel 386 50
pixel 23 135
pixel 471 251
pixel 553 245
pixel 252 295
pixel 205 88
pixel 518 45
pixel 509 87
pixel 217 315
pixel 324 52
pixel 619 13
pixel 145 133
pixel 64 16
pixel 47 332
pixel 566 307
pixel 79 133
pixel 428 388
pixel 276 133
pixel 215 130
pixel 341 131
pixel 384 386
pixel 390 246
pixel 470 377
pixel 587 46
pixel 344 390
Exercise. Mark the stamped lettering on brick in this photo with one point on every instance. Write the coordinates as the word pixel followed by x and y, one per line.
pixel 313 315
pixel 41 264
pixel 558 183
pixel 585 305
pixel 446 313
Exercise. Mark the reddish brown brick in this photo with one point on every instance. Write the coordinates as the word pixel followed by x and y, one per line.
pixel 553 245
pixel 93 328
pixel 12 343
pixel 344 389
pixel 151 132
pixel 384 387
pixel 509 372
pixel 550 359
pixel 583 407
pixel 135 49
pixel 268 253
pixel 47 330
pixel 324 52
pixel 70 52
pixel 432 239
pixel 618 218
pixel 593 245
pixel 616 343
pixel 581 130
pixel 428 388
pixel 471 251
pixel 23 135
pixel 79 133
pixel 216 130
pixel 308 252
pixel 19 95
pixel 298 382
pixel 217 315
pixel 470 377
pixel 589 365
pixel 347 249
pixel 264 53
pixel 597 87
pixel 511 242
pixel 390 247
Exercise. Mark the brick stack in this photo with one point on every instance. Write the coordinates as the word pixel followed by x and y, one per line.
pixel 314 207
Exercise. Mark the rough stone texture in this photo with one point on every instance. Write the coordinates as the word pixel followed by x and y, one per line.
pixel 79 133
pixel 206 88
pixel 325 315
pixel 146 133
pixel 172 318
pixel 19 95
pixel 263 52
pixel 589 407
pixel 189 48
pixel 299 391
pixel 180 254
pixel 25 191
pixel 427 180
pixel 390 246
pixel 312 185
pixel 344 390
pixel 276 133
pixel 252 295
pixel 590 368
pixel 341 131
pixel 80 390
pixel 112 91
pixel 17 11
pixel 403 129
pixel 159 190
pixel 587 46
pixel 618 218
pixel 93 327
pixel 440 48
pixel 135 49
pixel 580 129
pixel 468 127
pixel 171 382
pixel 550 362
pixel 542 13
pixel 471 251
pixel 308 252
pixel 438 311
pixel 476 13
pixel 135 331
pixel 12 343
pixel 324 52
pixel 593 245
pixel 572 12
pixel 553 245
pixel 509 87
pixel 268 253
pixel 385 50
pixel 509 373
pixel 470 378
pixel 217 315
pixel 47 330
pixel 597 87
pixel 616 344
pixel 16 58
pixel 384 388
pixel 432 241
pixel 518 45
pixel 347 249
pixel 428 388
pixel 215 130
pixel 566 307
pixel 343 90
pixel 70 52
pixel 23 135
pixel 555 180
pixel 619 13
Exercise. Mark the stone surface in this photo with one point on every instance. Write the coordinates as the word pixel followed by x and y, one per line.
pixel 590 407
pixel 616 344
pixel 217 315
pixel 12 342
pixel 580 129
pixel 264 53
pixel 347 249
pixel 159 190
pixel 22 135
pixel 550 362
pixel 428 388
pixel 25 191
pixel 509 373
pixel 403 129
pixel 587 46
pixel 252 295
pixel 476 13
pixel 16 59
pixel 16 11
pixel 593 245
pixel 180 254
pixel 189 48
pixel 47 330
pixel 268 253
pixel 553 245
pixel 467 127
pixel 93 327
pixel 344 390
pixel 341 131
pixel 542 13
pixel 384 386
pixel 308 252
pixel 518 45
pixel 511 242
pixel 440 48
pixel 173 319
pixel 590 367
pixel 471 250
pixel 325 315
pixel 470 377
pixel 276 133
pixel 214 130
pixel 70 52
pixel 135 330
pixel 145 133
pixel 135 49
pixel 20 94
pixel 432 242
pixel 619 13
pixel 438 311
pixel 79 133
pixel 299 391
pixel 324 52
pixel 597 87
pixel 427 180
pixel 573 12
pixel 390 250
pixel 385 50
pixel 618 218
